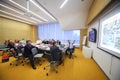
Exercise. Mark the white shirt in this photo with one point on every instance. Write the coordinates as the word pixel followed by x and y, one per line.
pixel 70 45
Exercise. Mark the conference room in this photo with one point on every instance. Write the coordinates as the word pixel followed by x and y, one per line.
pixel 59 39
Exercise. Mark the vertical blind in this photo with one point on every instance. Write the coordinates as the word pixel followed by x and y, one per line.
pixel 54 31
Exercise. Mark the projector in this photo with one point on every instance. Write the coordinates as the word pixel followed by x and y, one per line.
pixel 28 14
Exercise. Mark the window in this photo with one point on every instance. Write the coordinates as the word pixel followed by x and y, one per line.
pixel 54 31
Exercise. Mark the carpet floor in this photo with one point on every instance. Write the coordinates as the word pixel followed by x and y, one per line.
pixel 78 68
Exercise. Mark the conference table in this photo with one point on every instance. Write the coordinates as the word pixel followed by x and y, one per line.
pixel 45 48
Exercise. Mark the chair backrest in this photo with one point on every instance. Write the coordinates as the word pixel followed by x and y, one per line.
pixel 2 46
pixel 62 45
pixel 23 52
pixel 34 51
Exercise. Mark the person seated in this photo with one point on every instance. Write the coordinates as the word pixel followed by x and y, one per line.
pixel 6 43
pixel 38 42
pixel 58 42
pixel 23 41
pixel 50 41
pixel 53 41
pixel 11 45
pixel 20 46
pixel 15 42
pixel 45 41
pixel 70 48
pixel 55 52
pixel 28 53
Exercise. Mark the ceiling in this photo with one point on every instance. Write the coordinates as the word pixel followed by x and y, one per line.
pixel 72 16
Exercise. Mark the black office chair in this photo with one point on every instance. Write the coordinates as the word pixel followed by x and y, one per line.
pixel 72 51
pixel 25 58
pixel 52 64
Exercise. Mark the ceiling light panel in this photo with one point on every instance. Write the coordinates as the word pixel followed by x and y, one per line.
pixel 39 12
pixel 18 12
pixel 17 16
pixel 42 9
pixel 64 3
pixel 9 17
pixel 25 9
pixel 21 6
pixel 11 9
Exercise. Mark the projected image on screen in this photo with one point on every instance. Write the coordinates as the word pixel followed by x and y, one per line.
pixel 92 35
pixel 110 34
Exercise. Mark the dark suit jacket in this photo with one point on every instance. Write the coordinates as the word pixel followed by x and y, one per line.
pixel 54 50
pixel 19 47
pixel 11 45
pixel 28 50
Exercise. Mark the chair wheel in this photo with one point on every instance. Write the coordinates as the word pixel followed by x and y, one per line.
pixel 56 71
pixel 46 74
pixel 10 64
pixel 23 64
pixel 40 64
pixel 44 68
pixel 16 64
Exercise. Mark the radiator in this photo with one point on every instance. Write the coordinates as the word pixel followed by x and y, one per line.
pixel 87 52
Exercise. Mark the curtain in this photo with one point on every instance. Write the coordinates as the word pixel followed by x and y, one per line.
pixel 54 31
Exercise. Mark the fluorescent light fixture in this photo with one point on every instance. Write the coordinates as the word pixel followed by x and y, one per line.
pixel 21 13
pixel 43 10
pixel 63 4
pixel 17 4
pixel 12 9
pixel 35 19
pixel 16 16
pixel 29 10
pixel 39 16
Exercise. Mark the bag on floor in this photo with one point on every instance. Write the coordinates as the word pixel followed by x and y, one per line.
pixel 5 58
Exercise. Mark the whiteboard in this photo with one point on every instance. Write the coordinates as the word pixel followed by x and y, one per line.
pixel 84 40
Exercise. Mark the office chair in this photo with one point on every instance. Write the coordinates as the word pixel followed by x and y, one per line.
pixel 17 57
pixel 73 54
pixel 52 64
pixel 25 58
pixel 3 49
pixel 72 51
pixel 37 56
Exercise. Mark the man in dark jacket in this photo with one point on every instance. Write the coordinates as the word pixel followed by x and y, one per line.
pixel 28 53
pixel 54 50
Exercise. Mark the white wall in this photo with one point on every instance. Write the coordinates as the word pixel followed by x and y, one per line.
pixel 73 21
pixel 115 69
pixel 107 62
pixel 102 58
